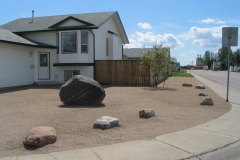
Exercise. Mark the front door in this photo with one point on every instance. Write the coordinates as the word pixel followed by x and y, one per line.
pixel 43 67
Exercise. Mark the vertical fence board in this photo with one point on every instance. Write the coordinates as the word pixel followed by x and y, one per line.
pixel 121 73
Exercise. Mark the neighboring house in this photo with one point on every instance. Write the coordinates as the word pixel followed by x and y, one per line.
pixel 55 48
pixel 135 54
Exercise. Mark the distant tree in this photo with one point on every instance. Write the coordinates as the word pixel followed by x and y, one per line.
pixel 158 61
pixel 236 57
pixel 208 58
pixel 223 57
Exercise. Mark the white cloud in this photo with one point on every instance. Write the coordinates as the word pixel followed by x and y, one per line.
pixel 145 25
pixel 209 20
pixel 221 22
pixel 182 55
pixel 140 39
pixel 207 37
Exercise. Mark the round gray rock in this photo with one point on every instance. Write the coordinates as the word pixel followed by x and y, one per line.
pixel 40 136
pixel 81 90
pixel 207 101
pixel 106 122
pixel 200 86
pixel 187 85
pixel 146 113
pixel 202 94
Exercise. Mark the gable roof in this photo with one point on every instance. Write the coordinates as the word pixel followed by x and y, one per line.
pixel 52 23
pixel 46 23
pixel 9 37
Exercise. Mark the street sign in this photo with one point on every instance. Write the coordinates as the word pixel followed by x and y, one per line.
pixel 229 36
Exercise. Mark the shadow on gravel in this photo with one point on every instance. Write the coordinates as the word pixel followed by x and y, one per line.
pixel 27 87
pixel 160 89
pixel 81 106
pixel 31 148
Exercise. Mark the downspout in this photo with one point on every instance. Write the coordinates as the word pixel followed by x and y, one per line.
pixel 122 50
pixel 93 54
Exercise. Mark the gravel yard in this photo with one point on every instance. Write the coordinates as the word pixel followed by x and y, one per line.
pixel 176 108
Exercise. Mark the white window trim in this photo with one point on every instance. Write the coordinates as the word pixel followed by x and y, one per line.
pixel 62 42
pixel 87 41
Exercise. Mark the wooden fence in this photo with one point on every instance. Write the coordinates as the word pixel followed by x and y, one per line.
pixel 121 73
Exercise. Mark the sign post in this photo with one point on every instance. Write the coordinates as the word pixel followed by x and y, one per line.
pixel 229 38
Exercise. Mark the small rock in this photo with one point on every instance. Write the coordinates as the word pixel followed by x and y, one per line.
pixel 207 101
pixel 200 86
pixel 146 113
pixel 40 136
pixel 202 94
pixel 187 84
pixel 106 122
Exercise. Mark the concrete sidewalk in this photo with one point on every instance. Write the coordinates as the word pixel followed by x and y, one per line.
pixel 189 143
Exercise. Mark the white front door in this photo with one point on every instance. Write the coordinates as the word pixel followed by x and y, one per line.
pixel 43 67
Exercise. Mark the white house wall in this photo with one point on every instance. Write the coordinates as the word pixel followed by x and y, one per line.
pixel 43 37
pixel 15 67
pixel 78 57
pixel 100 41
pixel 59 72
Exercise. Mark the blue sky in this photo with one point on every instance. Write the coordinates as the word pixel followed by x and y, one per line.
pixel 190 27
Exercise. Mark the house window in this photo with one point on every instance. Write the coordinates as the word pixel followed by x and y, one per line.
pixel 57 43
pixel 84 41
pixel 70 73
pixel 106 46
pixel 69 42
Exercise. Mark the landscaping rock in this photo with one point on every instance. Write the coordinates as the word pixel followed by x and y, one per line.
pixel 81 90
pixel 187 84
pixel 40 136
pixel 207 101
pixel 146 113
pixel 106 122
pixel 200 86
pixel 202 94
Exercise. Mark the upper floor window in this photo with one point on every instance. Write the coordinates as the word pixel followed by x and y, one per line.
pixel 69 42
pixel 57 42
pixel 84 42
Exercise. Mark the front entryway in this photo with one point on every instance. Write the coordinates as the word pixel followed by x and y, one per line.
pixel 44 66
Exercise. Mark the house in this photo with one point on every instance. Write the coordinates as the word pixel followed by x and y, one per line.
pixel 135 54
pixel 55 48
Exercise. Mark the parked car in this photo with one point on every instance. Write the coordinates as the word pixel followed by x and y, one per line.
pixel 192 68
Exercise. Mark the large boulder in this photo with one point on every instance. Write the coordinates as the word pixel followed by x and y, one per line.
pixel 80 90
pixel 187 84
pixel 146 113
pixel 207 101
pixel 106 122
pixel 40 136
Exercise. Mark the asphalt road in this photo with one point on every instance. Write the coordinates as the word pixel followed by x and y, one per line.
pixel 231 152
pixel 220 77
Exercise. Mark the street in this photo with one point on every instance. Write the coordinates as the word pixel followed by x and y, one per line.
pixel 220 77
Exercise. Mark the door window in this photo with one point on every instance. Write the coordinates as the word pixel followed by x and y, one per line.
pixel 43 60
